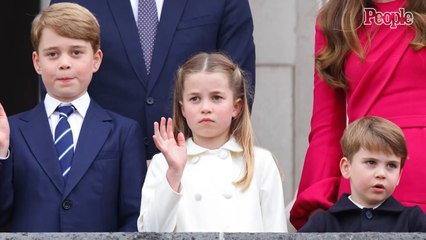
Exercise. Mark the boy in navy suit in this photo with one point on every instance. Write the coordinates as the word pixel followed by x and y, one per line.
pixel 374 153
pixel 80 170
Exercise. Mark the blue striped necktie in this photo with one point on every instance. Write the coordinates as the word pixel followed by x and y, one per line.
pixel 64 140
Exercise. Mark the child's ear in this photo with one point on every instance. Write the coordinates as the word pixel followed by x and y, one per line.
pixel 36 62
pixel 238 105
pixel 97 60
pixel 344 167
pixel 182 110
pixel 399 178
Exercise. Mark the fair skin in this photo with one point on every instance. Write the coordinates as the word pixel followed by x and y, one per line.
pixel 66 65
pixel 4 132
pixel 208 106
pixel 373 176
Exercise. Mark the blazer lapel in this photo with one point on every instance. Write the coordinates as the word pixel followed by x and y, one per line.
pixel 36 131
pixel 170 16
pixel 126 25
pixel 93 134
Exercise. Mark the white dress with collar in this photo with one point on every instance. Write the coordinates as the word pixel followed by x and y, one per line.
pixel 208 200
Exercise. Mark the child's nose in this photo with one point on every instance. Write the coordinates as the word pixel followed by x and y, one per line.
pixel 380 173
pixel 64 63
pixel 205 106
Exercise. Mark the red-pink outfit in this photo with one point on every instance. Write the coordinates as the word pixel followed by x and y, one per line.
pixel 390 83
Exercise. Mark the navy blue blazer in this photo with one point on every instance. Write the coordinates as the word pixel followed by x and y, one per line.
pixel 390 216
pixel 186 27
pixel 103 190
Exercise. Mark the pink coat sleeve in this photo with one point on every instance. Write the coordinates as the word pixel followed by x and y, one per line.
pixel 319 183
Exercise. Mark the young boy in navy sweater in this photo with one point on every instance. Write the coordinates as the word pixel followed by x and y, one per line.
pixel 374 153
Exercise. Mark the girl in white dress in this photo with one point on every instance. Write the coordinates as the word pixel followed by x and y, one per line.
pixel 209 176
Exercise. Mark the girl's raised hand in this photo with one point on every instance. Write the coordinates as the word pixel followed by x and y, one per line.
pixel 174 151
pixel 4 132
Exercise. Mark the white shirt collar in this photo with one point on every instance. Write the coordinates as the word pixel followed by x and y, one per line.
pixel 194 149
pixel 360 206
pixel 134 4
pixel 81 104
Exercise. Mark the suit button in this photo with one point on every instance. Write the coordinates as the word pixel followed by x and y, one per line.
pixel 150 100
pixel 67 204
pixel 369 214
pixel 146 141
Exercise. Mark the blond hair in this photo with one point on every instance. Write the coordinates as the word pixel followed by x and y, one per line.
pixel 240 127
pixel 68 20
pixel 374 134
pixel 340 20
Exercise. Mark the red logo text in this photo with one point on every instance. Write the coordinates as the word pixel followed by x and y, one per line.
pixel 391 19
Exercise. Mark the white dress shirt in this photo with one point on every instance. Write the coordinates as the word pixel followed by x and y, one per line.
pixel 75 120
pixel 134 4
pixel 208 200
pixel 361 206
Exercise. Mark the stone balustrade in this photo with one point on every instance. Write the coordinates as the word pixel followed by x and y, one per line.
pixel 208 236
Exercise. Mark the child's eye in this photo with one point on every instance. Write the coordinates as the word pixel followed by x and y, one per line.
pixel 216 98
pixel 194 99
pixel 370 162
pixel 392 165
pixel 51 54
pixel 76 52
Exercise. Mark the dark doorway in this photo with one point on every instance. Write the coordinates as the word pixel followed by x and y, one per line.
pixel 19 83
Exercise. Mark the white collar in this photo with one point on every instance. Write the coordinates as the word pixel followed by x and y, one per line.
pixel 194 149
pixel 359 205
pixel 81 104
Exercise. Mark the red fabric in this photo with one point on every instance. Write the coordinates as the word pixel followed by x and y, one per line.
pixel 390 83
